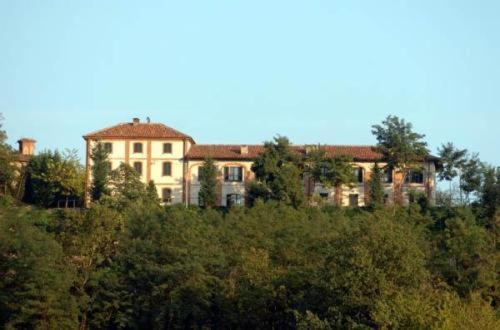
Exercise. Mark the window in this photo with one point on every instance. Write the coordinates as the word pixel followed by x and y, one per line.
pixel 138 167
pixel 324 195
pixel 167 148
pixel 138 148
pixel 166 195
pixel 233 174
pixel 108 146
pixel 234 199
pixel 167 169
pixel 388 175
pixel 353 200
pixel 414 176
pixel 358 173
pixel 324 171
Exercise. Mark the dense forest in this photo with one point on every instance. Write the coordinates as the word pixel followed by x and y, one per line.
pixel 129 262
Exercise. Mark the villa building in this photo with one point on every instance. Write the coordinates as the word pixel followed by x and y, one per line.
pixel 172 160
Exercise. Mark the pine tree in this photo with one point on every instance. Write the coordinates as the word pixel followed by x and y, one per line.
pixel 376 187
pixel 100 171
pixel 208 183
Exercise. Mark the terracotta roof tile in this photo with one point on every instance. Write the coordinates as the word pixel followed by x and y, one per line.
pixel 200 151
pixel 138 130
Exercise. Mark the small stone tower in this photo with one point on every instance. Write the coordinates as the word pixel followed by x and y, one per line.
pixel 26 146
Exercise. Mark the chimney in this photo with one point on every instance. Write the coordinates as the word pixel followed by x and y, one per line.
pixel 135 121
pixel 244 150
pixel 26 146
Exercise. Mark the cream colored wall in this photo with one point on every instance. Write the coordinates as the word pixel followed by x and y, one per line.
pixel 173 182
pixel 225 188
pixel 359 188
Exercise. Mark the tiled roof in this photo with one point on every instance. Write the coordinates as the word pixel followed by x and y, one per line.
pixel 138 130
pixel 230 152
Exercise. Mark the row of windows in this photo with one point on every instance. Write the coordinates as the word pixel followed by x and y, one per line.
pixel 231 173
pixel 413 176
pixel 166 168
pixel 138 147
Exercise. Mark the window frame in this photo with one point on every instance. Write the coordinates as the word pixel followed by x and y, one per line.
pixel 238 200
pixel 388 176
pixel 171 148
pixel 230 176
pixel 351 196
pixel 359 174
pixel 136 144
pixel 135 168
pixel 163 173
pixel 108 146
pixel 411 176
pixel 169 199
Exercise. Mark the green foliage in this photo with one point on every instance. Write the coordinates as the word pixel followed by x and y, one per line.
pixel 34 277
pixel 100 171
pixel 376 187
pixel 208 183
pixel 331 172
pixel 278 174
pixel 53 177
pixel 401 147
pixel 7 167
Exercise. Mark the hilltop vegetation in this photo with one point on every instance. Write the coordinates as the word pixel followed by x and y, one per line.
pixel 128 262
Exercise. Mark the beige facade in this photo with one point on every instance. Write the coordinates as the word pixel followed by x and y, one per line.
pixel 171 160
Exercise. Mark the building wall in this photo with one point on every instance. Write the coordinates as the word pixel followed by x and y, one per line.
pixel 152 159
pixel 224 188
pixel 184 179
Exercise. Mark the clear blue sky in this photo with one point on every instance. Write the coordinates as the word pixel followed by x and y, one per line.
pixel 242 71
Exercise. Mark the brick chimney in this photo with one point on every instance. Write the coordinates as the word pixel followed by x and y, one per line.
pixel 135 121
pixel 26 146
pixel 244 150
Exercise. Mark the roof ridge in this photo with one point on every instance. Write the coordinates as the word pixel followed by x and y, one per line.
pixel 103 129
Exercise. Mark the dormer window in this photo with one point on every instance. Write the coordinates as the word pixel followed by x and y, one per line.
pixel 137 148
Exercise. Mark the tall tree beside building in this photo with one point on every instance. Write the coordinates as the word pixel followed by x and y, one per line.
pixel 100 171
pixel 208 183
pixel 278 174
pixel 453 160
pixel 470 181
pixel 376 187
pixel 7 168
pixel 331 172
pixel 401 147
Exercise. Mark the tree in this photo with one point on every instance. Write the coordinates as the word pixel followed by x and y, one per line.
pixel 471 176
pixel 278 174
pixel 376 187
pixel 7 168
pixel 152 193
pixel 331 172
pixel 126 189
pixel 100 171
pixel 35 279
pixel 208 183
pixel 453 161
pixel 52 176
pixel 401 147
